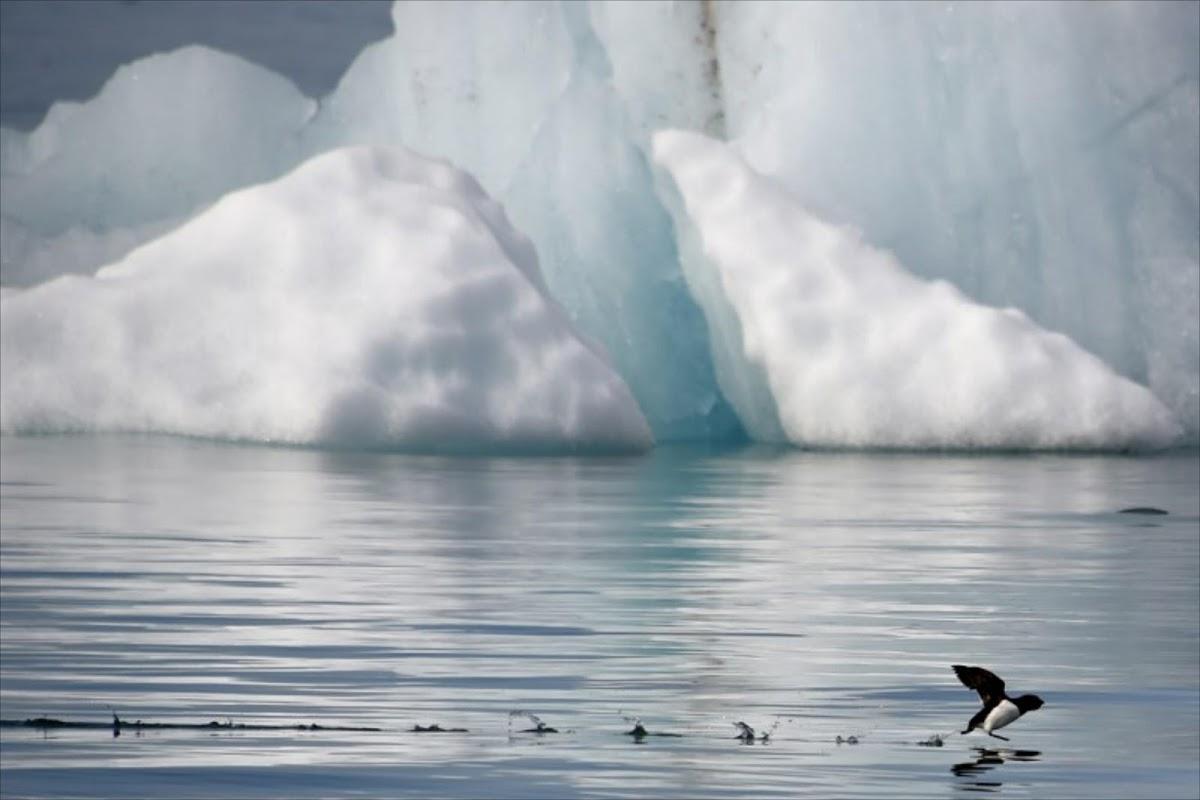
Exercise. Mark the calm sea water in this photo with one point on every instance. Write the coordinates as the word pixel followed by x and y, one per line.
pixel 824 594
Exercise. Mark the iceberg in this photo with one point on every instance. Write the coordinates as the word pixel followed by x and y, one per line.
pixel 370 298
pixel 1042 158
pixel 522 95
pixel 1039 156
pixel 852 350
pixel 166 136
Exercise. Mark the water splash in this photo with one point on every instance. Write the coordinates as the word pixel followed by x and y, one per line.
pixel 639 731
pixel 747 734
pixel 540 727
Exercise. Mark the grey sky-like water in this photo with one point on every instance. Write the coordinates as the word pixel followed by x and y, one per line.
pixel 827 594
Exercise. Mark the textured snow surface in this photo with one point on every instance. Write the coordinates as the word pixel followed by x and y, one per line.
pixel 857 352
pixel 369 298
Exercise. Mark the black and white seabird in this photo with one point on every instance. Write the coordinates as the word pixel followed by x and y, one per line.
pixel 998 708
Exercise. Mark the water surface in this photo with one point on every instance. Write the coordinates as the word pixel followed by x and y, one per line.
pixel 825 594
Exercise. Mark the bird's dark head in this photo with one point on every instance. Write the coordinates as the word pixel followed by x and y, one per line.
pixel 1028 702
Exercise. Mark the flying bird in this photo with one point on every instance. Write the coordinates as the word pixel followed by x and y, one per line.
pixel 998 708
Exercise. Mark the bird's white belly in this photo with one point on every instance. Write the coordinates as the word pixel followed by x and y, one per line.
pixel 1003 714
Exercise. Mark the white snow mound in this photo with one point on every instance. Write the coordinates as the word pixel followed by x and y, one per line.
pixel 370 298
pixel 857 352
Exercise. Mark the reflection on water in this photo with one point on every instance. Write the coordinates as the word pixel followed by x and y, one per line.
pixel 985 761
pixel 182 581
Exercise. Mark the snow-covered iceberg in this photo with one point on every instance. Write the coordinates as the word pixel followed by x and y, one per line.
pixel 522 95
pixel 828 341
pixel 369 298
pixel 1044 157
pixel 533 115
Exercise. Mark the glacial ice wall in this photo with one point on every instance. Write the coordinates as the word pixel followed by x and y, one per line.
pixel 370 298
pixel 1044 156
pixel 1040 156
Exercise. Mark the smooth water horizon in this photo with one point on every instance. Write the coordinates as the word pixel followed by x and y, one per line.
pixel 818 595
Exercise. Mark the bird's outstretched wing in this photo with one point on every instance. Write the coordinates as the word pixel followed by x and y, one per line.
pixel 990 688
